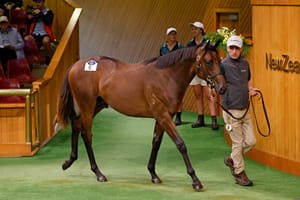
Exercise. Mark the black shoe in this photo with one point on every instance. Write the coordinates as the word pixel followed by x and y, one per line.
pixel 178 119
pixel 214 123
pixel 199 122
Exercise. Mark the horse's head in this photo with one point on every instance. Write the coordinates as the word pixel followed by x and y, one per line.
pixel 208 66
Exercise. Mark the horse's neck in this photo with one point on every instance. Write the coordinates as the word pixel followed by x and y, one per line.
pixel 185 71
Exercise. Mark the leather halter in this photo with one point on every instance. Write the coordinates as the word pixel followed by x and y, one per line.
pixel 208 78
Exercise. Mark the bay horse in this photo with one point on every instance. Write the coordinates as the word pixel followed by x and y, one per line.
pixel 152 88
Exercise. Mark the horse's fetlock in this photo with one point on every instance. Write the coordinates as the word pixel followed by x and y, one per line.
pixel 94 168
pixel 73 157
pixel 191 172
pixel 150 168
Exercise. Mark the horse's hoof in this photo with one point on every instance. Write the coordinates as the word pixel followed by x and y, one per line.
pixel 197 186
pixel 156 180
pixel 66 165
pixel 101 179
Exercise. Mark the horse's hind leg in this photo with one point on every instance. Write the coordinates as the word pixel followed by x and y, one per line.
pixel 156 141
pixel 76 127
pixel 87 138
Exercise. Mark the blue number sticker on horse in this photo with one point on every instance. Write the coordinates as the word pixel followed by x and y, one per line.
pixel 91 66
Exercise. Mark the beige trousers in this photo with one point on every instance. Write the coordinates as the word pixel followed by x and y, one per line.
pixel 241 135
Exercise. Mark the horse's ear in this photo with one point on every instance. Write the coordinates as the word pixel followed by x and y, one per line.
pixel 217 43
pixel 207 44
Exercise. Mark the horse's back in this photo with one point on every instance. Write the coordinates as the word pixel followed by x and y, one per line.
pixel 87 71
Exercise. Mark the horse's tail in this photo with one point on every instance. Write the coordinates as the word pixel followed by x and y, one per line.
pixel 65 105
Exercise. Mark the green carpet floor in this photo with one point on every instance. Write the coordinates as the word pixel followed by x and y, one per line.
pixel 122 146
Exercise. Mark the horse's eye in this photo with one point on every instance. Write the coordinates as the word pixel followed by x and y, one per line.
pixel 209 63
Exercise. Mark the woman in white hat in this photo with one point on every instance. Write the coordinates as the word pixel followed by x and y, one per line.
pixel 199 85
pixel 171 45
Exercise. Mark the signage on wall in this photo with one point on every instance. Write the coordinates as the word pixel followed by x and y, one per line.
pixel 283 63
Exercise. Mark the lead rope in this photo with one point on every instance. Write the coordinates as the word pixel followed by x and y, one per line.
pixel 265 113
pixel 239 118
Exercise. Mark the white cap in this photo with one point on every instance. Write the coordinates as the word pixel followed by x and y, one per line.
pixel 169 30
pixel 3 19
pixel 235 40
pixel 197 24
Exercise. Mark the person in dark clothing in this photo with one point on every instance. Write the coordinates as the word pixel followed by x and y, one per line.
pixel 11 4
pixel 237 74
pixel 40 22
pixel 3 11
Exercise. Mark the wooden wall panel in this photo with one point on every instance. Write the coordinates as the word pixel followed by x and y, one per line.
pixel 277 33
pixel 13 140
pixel 12 125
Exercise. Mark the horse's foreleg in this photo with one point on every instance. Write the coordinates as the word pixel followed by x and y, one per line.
pixel 156 141
pixel 88 145
pixel 76 127
pixel 172 132
pixel 183 150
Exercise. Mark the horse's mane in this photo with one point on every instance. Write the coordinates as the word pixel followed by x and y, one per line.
pixel 173 57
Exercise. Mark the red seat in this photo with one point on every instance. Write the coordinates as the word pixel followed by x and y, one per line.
pixel 19 69
pixel 17 19
pixel 32 52
pixel 2 74
pixel 10 84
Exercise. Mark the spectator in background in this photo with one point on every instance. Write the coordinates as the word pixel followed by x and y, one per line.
pixel 11 4
pixel 171 45
pixel 199 85
pixel 40 21
pixel 11 42
pixel 3 11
